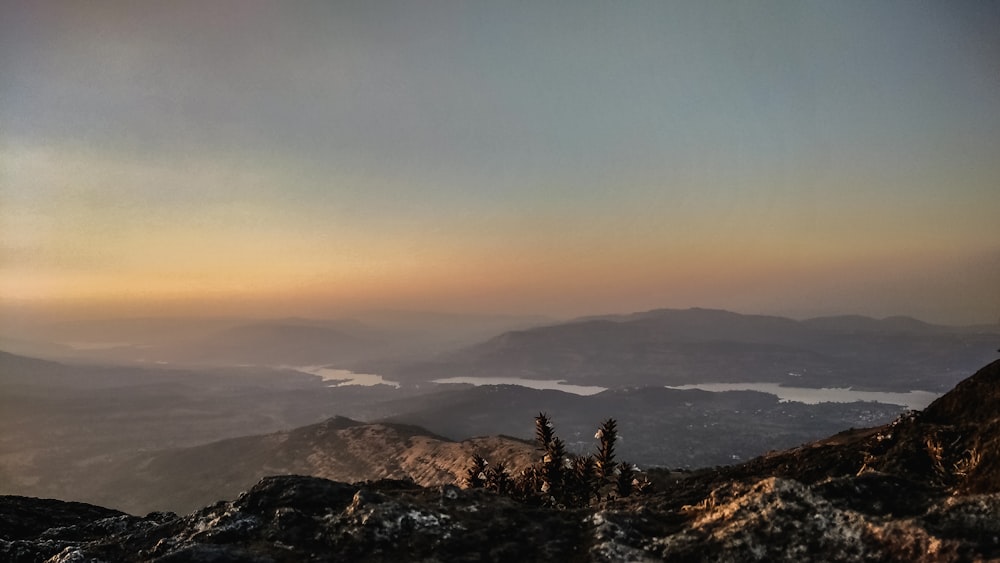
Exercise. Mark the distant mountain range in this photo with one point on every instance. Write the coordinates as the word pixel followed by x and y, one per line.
pixel 660 347
pixel 291 341
pixel 675 347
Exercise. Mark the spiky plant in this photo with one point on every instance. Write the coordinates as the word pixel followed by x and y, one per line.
pixel 558 479
pixel 604 461
pixel 553 470
pixel 581 484
pixel 498 479
pixel 475 476
pixel 526 486
pixel 625 480
pixel 543 431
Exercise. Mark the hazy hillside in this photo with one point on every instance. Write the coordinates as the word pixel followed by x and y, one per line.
pixel 339 448
pixel 674 347
pixel 389 336
pixel 280 343
pixel 58 420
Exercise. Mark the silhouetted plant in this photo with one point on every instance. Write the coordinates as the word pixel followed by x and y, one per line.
pixel 543 431
pixel 582 485
pixel 476 475
pixel 527 486
pixel 560 480
pixel 553 470
pixel 604 462
pixel 625 479
pixel 498 479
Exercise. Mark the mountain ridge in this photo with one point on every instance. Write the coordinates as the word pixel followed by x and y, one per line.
pixel 676 347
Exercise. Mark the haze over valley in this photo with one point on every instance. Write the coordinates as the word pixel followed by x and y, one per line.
pixel 124 409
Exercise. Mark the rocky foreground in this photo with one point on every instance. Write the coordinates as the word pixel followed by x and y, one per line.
pixel 925 488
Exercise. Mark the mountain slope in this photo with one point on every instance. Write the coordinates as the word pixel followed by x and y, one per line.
pixel 59 422
pixel 953 445
pixel 338 448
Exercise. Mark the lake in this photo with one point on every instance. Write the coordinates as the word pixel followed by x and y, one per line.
pixel 342 377
pixel 916 400
pixel 544 384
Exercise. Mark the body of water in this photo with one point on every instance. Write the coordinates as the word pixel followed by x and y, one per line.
pixel 912 400
pixel 529 383
pixel 341 377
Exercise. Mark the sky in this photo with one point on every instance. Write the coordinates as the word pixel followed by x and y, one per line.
pixel 560 157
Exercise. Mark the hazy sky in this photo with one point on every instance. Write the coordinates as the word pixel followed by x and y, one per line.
pixel 553 157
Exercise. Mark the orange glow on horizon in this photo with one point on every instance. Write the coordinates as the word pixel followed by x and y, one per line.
pixel 565 285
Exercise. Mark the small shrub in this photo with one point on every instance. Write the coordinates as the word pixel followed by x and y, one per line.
pixel 604 462
pixel 498 479
pixel 560 480
pixel 624 479
pixel 477 474
pixel 543 431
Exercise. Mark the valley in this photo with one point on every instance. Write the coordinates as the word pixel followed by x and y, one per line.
pixel 134 424
pixel 923 488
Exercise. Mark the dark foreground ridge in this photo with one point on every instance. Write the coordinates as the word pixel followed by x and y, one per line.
pixel 925 488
